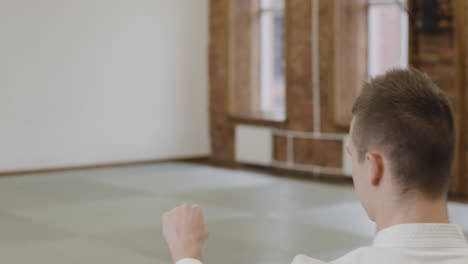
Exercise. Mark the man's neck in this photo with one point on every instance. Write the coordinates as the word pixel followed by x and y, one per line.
pixel 415 210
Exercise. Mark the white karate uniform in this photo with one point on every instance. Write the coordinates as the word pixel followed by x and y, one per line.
pixel 403 244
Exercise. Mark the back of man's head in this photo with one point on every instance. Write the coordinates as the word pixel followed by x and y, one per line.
pixel 407 116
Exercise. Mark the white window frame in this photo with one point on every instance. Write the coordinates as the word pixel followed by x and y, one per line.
pixel 404 31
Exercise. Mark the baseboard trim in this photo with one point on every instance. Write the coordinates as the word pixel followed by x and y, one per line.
pixel 202 158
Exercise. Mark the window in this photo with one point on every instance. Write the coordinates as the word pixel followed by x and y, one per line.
pixel 257 60
pixel 372 37
pixel 272 59
pixel 388 35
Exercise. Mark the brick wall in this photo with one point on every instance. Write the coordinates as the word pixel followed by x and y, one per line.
pixel 221 129
pixel 309 140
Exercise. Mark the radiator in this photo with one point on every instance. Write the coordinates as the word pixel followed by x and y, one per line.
pixel 253 145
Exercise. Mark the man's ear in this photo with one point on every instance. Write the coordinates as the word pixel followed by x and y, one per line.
pixel 375 162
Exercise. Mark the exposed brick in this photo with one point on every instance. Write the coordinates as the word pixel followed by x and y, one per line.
pixel 299 92
pixel 326 67
pixel 222 141
pixel 280 148
pixel 221 130
pixel 327 153
pixel 299 65
pixel 300 116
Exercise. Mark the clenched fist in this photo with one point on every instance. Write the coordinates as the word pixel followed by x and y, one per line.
pixel 185 232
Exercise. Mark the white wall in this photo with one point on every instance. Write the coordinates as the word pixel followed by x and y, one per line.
pixel 99 81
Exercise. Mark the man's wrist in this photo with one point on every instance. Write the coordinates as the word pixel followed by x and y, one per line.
pixel 188 261
pixel 177 259
pixel 189 252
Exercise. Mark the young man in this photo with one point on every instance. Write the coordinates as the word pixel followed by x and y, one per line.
pixel 402 146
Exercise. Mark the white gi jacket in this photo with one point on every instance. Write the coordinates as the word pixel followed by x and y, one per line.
pixel 403 244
